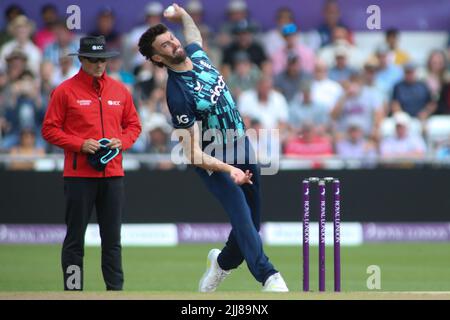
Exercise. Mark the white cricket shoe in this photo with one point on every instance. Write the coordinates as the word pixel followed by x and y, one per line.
pixel 214 275
pixel 275 283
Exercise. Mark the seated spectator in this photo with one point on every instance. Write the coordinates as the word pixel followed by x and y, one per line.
pixel 116 71
pixel 22 28
pixel 244 42
pixel 16 64
pixel 341 71
pixel 324 91
pixel 150 110
pixel 403 144
pixel 153 15
pixel 412 96
pixel 145 82
pixel 291 79
pixel 266 146
pixel 436 72
pixel 244 76
pixel 341 42
pixel 273 40
pixel 308 143
pixel 64 42
pixel 369 72
pixel 45 90
pixel 26 110
pixel 155 104
pixel 158 130
pixel 444 99
pixel 354 145
pixel 332 19
pixel 11 12
pixel 303 109
pixel 46 85
pixel 368 75
pixel 65 69
pixel 148 78
pixel 26 147
pixel 361 104
pixel 292 47
pixel 396 55
pixel 388 74
pixel 236 12
pixel 264 104
pixel 45 36
pixel 106 26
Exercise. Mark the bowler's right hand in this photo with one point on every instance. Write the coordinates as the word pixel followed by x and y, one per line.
pixel 176 16
pixel 90 146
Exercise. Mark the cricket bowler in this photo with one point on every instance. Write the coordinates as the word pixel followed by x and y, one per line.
pixel 197 95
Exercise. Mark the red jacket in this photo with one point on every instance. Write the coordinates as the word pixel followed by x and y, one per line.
pixel 77 112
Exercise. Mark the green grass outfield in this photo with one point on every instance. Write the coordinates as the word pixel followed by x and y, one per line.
pixel 33 271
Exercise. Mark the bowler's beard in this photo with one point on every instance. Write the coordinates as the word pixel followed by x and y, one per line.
pixel 176 58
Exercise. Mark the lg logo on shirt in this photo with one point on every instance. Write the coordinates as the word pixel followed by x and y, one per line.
pixel 183 119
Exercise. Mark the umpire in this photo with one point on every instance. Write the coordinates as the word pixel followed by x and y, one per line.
pixel 92 117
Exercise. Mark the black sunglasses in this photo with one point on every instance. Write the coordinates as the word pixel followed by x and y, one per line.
pixel 95 60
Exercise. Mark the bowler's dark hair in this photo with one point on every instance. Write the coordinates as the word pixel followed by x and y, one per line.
pixel 147 39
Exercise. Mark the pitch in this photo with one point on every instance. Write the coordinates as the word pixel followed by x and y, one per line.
pixel 408 271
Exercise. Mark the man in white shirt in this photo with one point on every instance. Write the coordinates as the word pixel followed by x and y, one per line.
pixel 403 144
pixel 264 104
pixel 340 42
pixel 153 15
pixel 325 91
pixel 360 104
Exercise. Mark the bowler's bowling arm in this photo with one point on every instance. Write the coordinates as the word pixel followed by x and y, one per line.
pixel 190 30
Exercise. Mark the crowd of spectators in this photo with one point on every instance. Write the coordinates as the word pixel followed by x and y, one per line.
pixel 324 95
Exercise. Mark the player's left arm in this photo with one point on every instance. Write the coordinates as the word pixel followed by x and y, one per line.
pixel 190 30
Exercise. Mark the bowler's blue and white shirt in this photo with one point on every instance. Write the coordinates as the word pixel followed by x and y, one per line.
pixel 201 94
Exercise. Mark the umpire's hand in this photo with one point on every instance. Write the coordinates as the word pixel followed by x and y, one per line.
pixel 115 143
pixel 90 146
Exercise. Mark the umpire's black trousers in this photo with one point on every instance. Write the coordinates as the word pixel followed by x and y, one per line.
pixel 81 194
